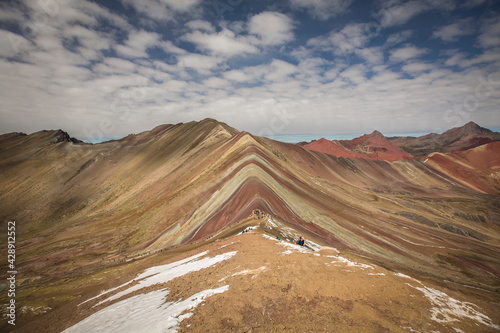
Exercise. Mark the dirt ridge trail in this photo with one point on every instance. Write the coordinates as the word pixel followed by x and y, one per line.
pixel 253 282
pixel 278 286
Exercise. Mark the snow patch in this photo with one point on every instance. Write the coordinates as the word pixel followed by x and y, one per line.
pixel 271 222
pixel 223 246
pixel 269 237
pixel 292 234
pixel 254 272
pixel 165 273
pixel 407 277
pixel 168 266
pixel 447 309
pixel 351 263
pixel 143 313
pixel 294 248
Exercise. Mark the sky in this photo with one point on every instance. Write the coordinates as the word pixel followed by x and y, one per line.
pixel 105 69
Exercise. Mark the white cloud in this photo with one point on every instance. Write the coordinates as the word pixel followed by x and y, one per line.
pixel 170 48
pixel 95 10
pixel 406 53
pixel 373 55
pixel 343 42
pixel 67 76
pixel 162 10
pixel 490 33
pixel 491 56
pixel 153 9
pixel 322 9
pixel 201 63
pixel 137 44
pixel 89 39
pixel 455 59
pixel 402 13
pixel 12 44
pixel 272 28
pixel 223 43
pixel 355 74
pixel 238 76
pixel 266 29
pixel 181 6
pixel 10 13
pixel 120 64
pixel 452 32
pixel 200 25
pixel 399 12
pixel 417 67
pixel 279 70
pixel 215 82
pixel 398 37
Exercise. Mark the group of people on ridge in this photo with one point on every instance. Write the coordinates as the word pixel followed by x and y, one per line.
pixel 300 241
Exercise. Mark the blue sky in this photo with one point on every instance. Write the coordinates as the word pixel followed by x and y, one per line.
pixel 109 68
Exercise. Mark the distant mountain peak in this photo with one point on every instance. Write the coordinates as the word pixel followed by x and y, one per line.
pixel 374 146
pixel 62 136
pixel 376 134
pixel 321 140
pixel 469 128
pixel 474 128
pixel 471 123
pixel 462 138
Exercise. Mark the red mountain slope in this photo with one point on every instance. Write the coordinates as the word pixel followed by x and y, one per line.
pixel 477 168
pixel 373 146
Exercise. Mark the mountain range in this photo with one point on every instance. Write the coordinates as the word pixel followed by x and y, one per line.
pixel 376 146
pixel 91 217
pixel 469 136
pixel 369 146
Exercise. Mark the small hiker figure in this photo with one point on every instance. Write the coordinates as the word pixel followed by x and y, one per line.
pixel 300 241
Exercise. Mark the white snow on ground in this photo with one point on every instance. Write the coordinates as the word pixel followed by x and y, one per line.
pixel 447 309
pixel 150 271
pixel 351 263
pixel 291 247
pixel 147 313
pixel 254 272
pixel 165 273
pixel 223 246
pixel 292 234
pixel 312 245
pixel 294 248
pixel 406 276
pixel 269 237
pixel 271 222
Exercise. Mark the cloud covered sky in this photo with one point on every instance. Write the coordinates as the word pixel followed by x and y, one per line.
pixel 104 69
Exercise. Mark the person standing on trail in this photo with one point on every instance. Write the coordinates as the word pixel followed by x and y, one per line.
pixel 300 241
